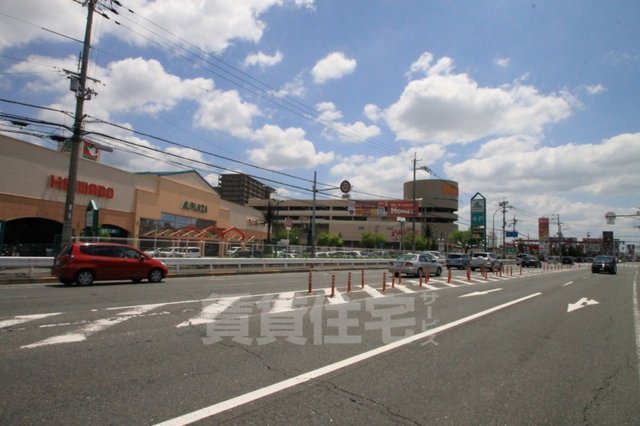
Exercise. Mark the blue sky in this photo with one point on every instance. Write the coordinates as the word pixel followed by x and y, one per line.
pixel 534 102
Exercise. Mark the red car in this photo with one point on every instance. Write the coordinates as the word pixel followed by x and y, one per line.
pixel 84 263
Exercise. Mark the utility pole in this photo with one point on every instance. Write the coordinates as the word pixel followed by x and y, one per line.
pixel 413 197
pixel 505 205
pixel 81 94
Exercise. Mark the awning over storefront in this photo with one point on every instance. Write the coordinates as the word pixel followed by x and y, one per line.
pixel 210 233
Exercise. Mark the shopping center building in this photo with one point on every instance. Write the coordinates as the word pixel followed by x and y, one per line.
pixel 153 209
pixel 144 209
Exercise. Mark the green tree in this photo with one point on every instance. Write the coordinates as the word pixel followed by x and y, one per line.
pixel 465 239
pixel 372 240
pixel 330 240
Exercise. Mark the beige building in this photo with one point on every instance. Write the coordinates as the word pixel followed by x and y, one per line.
pixel 179 207
pixel 434 213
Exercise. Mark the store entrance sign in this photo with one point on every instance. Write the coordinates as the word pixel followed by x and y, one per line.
pixel 190 205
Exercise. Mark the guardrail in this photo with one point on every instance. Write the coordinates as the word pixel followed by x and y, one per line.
pixel 39 267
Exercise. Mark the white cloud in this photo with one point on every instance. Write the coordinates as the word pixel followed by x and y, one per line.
pixel 502 62
pixel 595 89
pixel 286 149
pixel 330 117
pixel 69 19
pixel 364 171
pixel 263 60
pixel 333 66
pixel 226 112
pixel 452 108
pixel 528 168
pixel 294 88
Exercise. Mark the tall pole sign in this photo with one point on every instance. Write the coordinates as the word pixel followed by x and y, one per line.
pixel 479 218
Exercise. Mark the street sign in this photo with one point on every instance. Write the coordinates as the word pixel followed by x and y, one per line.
pixel 288 223
pixel 511 234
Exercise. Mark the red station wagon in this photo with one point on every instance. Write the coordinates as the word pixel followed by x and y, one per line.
pixel 84 263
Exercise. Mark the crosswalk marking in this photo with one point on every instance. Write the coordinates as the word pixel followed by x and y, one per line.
pixel 92 328
pixel 20 319
pixel 336 299
pixel 372 291
pixel 283 302
pixel 214 308
pixel 211 311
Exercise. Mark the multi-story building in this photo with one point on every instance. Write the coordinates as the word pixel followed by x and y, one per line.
pixel 239 188
pixel 434 214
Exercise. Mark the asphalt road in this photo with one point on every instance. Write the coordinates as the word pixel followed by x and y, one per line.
pixel 545 347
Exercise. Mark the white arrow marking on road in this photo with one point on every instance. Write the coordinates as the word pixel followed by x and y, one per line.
pixel 480 293
pixel 581 304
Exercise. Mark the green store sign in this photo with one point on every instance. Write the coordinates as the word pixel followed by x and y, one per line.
pixel 195 207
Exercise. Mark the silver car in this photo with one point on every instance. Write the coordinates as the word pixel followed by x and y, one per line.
pixel 415 264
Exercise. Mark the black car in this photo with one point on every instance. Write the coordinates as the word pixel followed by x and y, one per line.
pixel 604 264
pixel 530 261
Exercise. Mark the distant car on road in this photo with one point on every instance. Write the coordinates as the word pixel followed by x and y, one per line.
pixel 530 262
pixel 485 259
pixel 84 263
pixel 415 264
pixel 457 260
pixel 604 264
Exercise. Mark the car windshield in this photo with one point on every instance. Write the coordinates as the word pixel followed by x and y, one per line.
pixel 603 259
pixel 407 257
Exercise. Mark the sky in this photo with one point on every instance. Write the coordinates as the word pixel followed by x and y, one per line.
pixel 536 103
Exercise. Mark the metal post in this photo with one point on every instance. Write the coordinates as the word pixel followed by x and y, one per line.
pixel 313 217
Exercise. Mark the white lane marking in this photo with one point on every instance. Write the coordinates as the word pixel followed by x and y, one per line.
pixel 337 299
pixel 20 319
pixel 372 291
pixel 566 284
pixel 404 289
pixel 90 328
pixel 636 318
pixel 585 301
pixel 211 311
pixel 480 293
pixel 283 303
pixel 305 377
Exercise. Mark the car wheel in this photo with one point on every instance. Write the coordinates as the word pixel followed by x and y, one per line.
pixel 85 277
pixel 155 276
pixel 438 271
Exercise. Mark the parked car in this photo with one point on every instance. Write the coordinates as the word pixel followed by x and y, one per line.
pixel 530 261
pixel 604 264
pixel 415 264
pixel 439 257
pixel 457 260
pixel 485 259
pixel 178 252
pixel 567 260
pixel 84 263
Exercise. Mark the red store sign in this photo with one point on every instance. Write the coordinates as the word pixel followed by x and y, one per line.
pixel 62 184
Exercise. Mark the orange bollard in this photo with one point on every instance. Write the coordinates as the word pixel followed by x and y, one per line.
pixel 421 281
pixel 426 280
pixel 349 282
pixel 449 276
pixel 468 274
pixel 310 282
pixel 384 281
pixel 393 280
pixel 362 279
pixel 333 286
